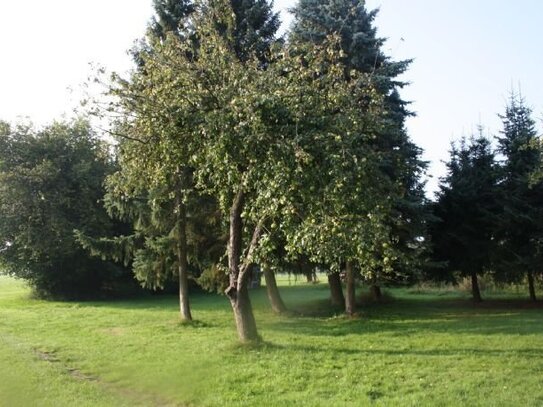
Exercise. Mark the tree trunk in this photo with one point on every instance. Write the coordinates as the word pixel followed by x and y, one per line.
pixel 243 315
pixel 350 299
pixel 305 268
pixel 276 302
pixel 184 305
pixel 375 291
pixel 531 286
pixel 476 293
pixel 336 292
pixel 238 292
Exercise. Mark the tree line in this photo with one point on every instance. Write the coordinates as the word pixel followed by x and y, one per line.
pixel 235 147
pixel 489 209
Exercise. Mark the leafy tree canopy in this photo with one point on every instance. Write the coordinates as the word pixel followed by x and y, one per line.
pixel 51 182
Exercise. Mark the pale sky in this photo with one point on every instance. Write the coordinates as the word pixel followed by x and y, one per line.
pixel 468 56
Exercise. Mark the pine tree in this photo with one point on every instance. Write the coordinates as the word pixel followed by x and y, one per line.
pixel 462 235
pixel 255 29
pixel 520 228
pixel 169 16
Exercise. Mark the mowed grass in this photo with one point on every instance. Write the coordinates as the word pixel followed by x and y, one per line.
pixel 418 348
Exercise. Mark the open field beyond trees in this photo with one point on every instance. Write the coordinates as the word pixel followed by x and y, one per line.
pixel 432 347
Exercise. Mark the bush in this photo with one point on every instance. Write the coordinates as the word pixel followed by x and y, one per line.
pixel 51 183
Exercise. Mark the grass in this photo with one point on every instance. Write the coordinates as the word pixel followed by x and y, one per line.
pixel 422 347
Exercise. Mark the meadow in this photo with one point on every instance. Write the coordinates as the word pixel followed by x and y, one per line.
pixel 419 347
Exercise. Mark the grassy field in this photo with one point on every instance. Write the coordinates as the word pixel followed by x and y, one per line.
pixel 419 348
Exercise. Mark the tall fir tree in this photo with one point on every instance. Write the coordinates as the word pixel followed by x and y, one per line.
pixel 154 199
pixel 519 232
pixel 462 235
pixel 170 15
pixel 315 20
pixel 255 29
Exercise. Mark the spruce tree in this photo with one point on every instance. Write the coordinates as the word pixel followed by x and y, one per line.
pixel 155 200
pixel 462 235
pixel 255 29
pixel 169 16
pixel 519 231
pixel 315 20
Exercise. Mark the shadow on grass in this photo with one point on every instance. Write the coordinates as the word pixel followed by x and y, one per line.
pixel 201 301
pixel 310 313
pixel 300 296
pixel 418 316
pixel 529 353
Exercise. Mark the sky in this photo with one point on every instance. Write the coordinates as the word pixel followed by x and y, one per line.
pixel 467 57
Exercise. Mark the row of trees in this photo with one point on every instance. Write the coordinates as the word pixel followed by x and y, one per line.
pixel 234 147
pixel 300 144
pixel 490 206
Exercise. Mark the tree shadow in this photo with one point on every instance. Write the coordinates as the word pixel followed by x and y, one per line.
pixel 417 316
pixel 528 353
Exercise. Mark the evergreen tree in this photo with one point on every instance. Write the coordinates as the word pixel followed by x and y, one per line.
pixel 520 228
pixel 170 15
pixel 153 198
pixel 462 235
pixel 255 29
pixel 255 24
pixel 153 187
pixel 315 20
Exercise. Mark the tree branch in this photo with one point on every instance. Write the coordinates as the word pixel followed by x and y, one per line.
pixel 257 233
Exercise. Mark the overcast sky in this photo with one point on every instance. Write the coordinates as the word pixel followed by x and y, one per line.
pixel 468 55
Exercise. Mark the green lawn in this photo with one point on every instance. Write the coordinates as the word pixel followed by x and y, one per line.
pixel 417 349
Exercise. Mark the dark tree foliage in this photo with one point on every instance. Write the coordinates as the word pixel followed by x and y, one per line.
pixel 255 29
pixel 51 183
pixel 169 16
pixel 255 23
pixel 466 212
pixel 519 231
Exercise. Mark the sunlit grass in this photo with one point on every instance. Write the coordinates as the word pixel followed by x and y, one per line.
pixel 419 348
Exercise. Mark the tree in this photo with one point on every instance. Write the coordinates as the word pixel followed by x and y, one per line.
pixel 255 28
pixel 153 187
pixel 262 133
pixel 155 146
pixel 400 163
pixel 170 15
pixel 466 210
pixel 51 182
pixel 520 229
